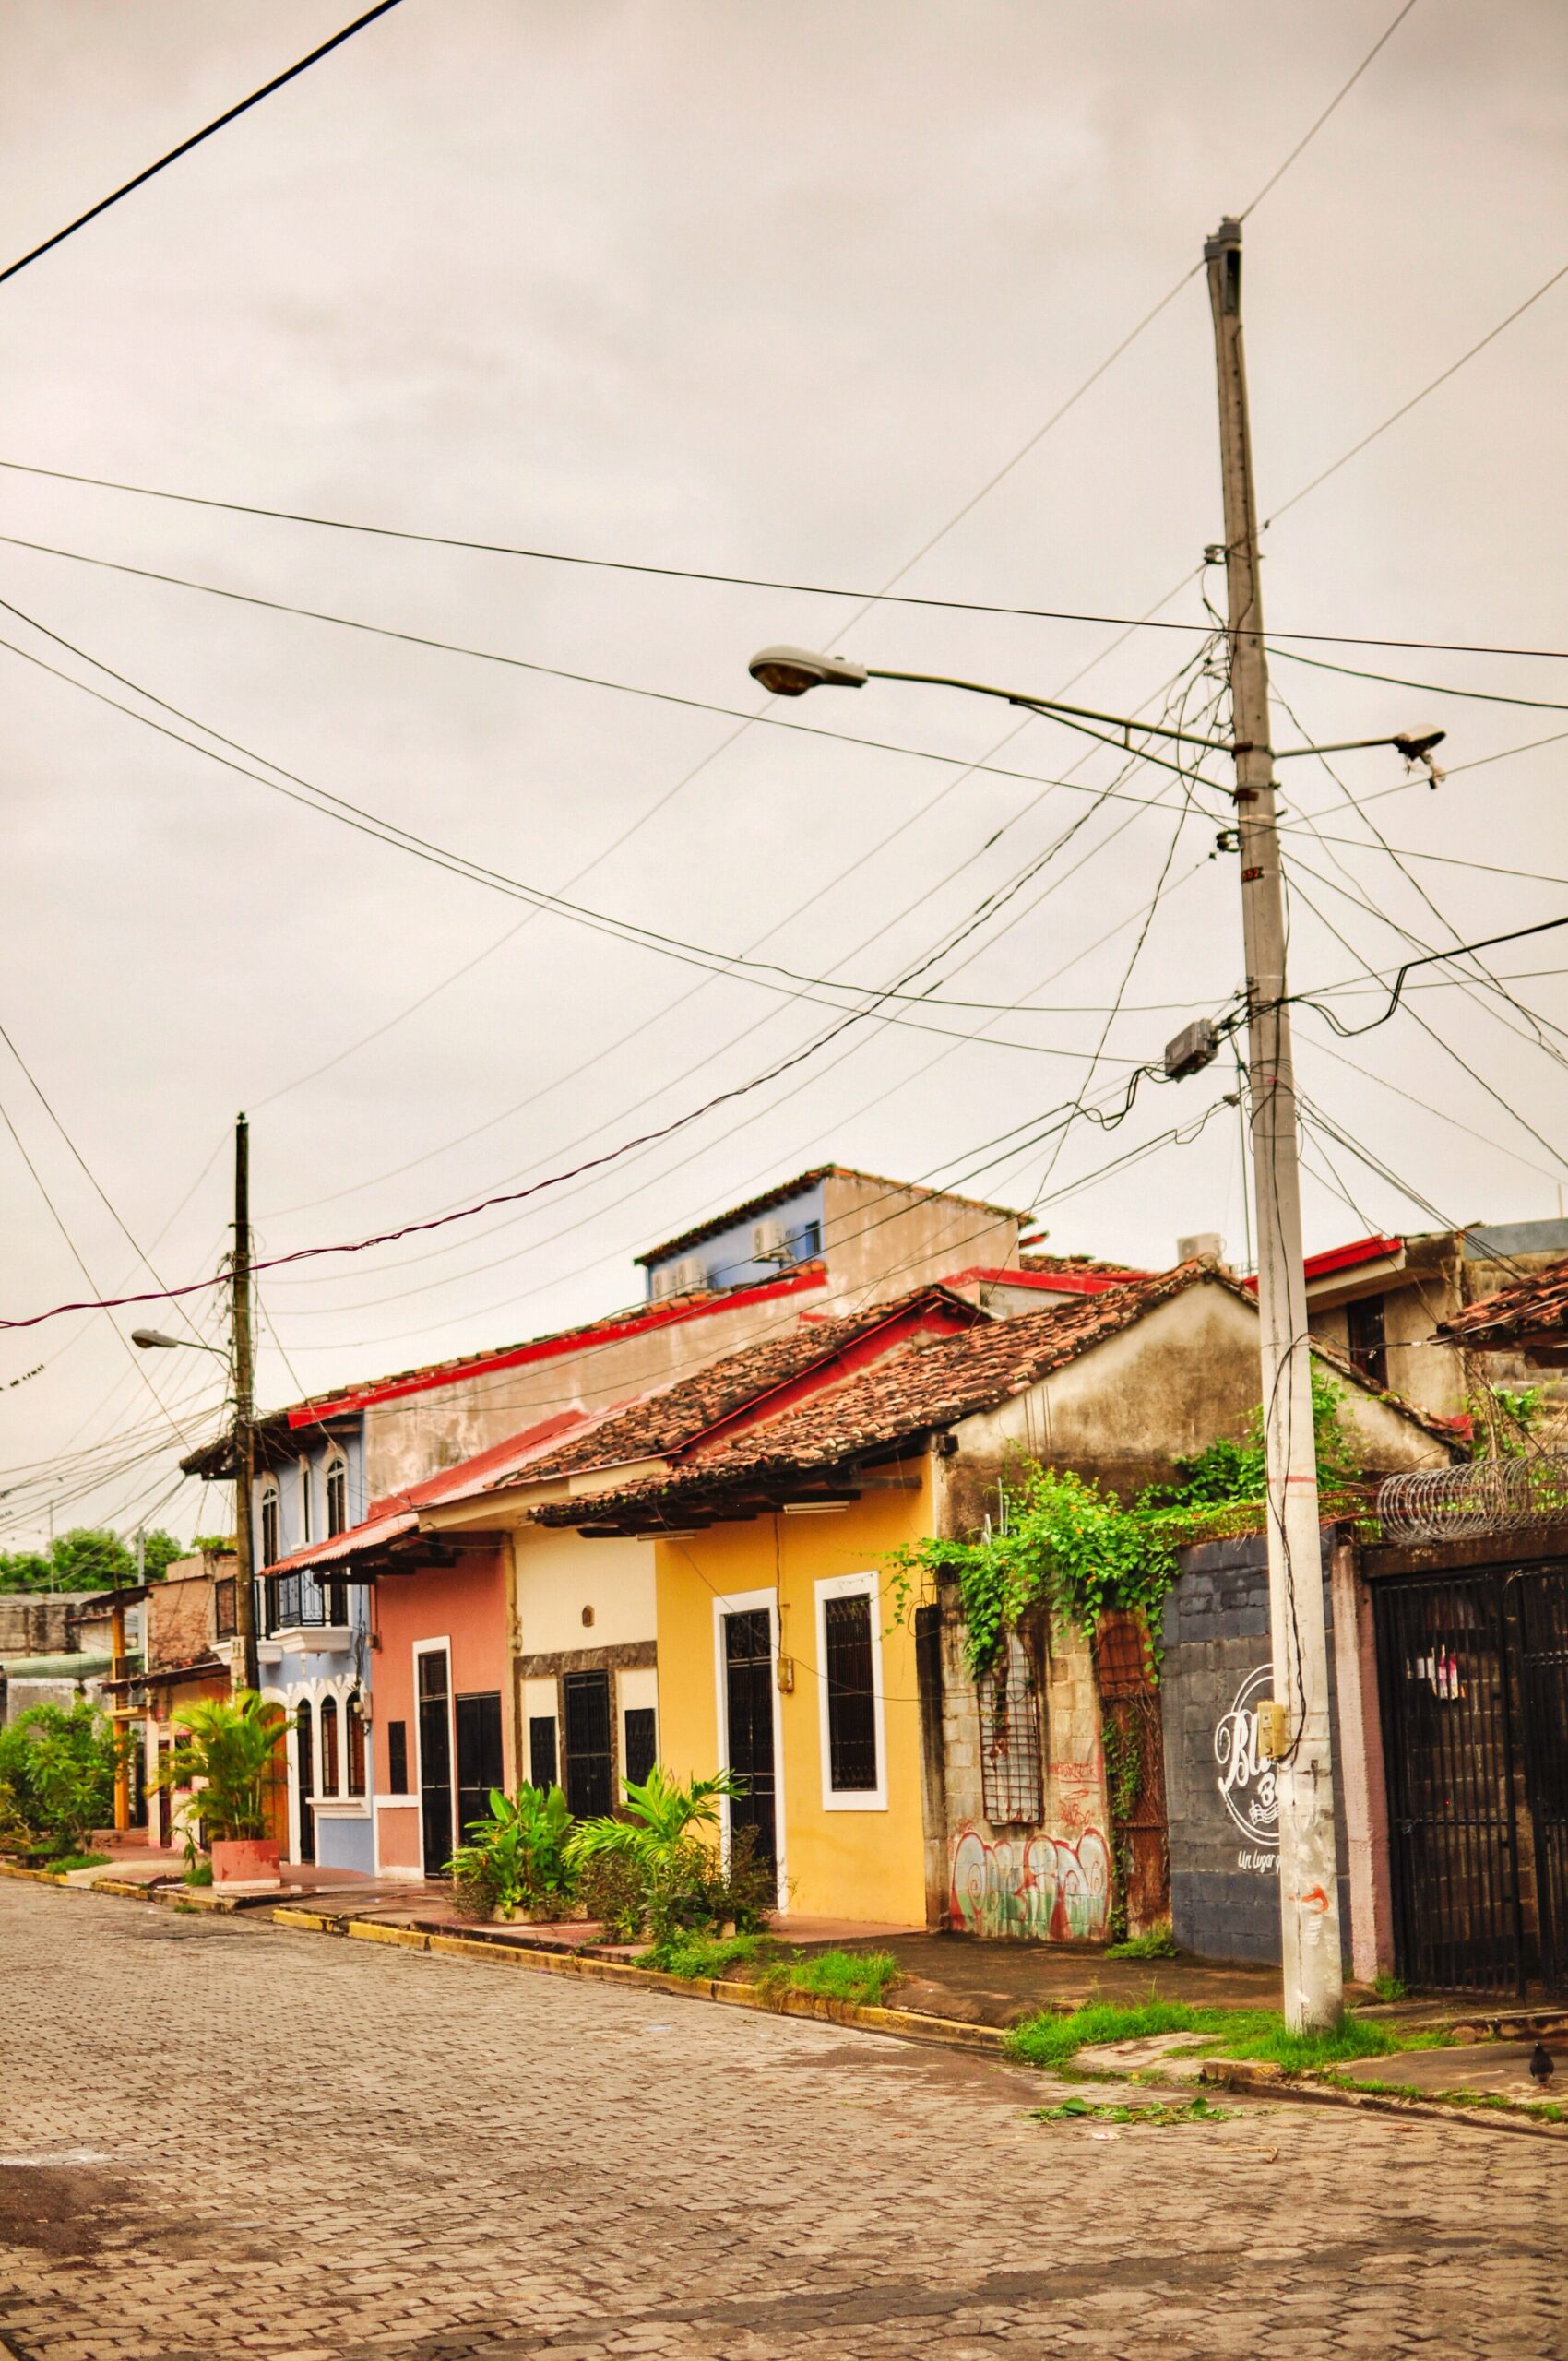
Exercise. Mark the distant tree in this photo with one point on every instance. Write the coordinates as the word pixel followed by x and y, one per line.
pixel 86 1559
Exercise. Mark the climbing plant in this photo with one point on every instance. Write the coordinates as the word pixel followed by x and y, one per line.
pixel 1061 1542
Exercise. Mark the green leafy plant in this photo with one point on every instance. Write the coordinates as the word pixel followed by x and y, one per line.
pixel 679 1879
pixel 65 1862
pixel 610 1889
pixel 1065 1544
pixel 85 1560
pixel 1390 1987
pixel 1156 1942
pixel 1082 2110
pixel 702 1958
pixel 1260 2033
pixel 227 1748
pixel 863 1978
pixel 517 1858
pixel 57 1764
pixel 198 1872
pixel 1504 1419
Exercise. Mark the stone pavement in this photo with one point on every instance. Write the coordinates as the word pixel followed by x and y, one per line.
pixel 222 2139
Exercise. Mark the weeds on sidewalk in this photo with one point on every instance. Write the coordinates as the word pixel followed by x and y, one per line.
pixel 861 1977
pixel 1253 2033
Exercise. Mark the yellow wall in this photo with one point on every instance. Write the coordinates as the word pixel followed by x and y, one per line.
pixel 855 1864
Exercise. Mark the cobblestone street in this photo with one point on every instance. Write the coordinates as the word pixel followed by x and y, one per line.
pixel 223 2138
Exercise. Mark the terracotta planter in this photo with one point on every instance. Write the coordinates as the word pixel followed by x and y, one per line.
pixel 247 1861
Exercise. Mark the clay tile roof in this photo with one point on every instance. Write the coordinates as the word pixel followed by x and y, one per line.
pixel 926 1385
pixel 1536 1307
pixel 660 1422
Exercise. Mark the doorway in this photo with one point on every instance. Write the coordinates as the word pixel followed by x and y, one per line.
pixel 748 1673
pixel 590 1769
pixel 304 1762
pixel 432 1683
pixel 479 1764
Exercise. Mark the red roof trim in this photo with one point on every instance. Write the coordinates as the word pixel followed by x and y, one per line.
pixel 547 1349
pixel 1344 1258
pixel 1064 1282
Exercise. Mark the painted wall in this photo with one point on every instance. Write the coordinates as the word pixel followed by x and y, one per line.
pixel 574 1593
pixel 727 1255
pixel 1223 1818
pixel 880 1240
pixel 468 1606
pixel 860 1863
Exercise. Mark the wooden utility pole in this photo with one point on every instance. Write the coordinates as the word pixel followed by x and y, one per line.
pixel 245 1409
pixel 1299 1735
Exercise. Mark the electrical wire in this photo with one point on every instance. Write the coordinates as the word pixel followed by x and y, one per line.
pixel 1432 688
pixel 230 115
pixel 1343 92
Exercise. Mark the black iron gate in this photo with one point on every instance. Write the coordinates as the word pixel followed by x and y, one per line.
pixel 1473 1669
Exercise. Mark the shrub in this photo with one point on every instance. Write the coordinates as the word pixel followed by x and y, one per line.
pixel 517 1858
pixel 228 1745
pixel 681 1884
pixel 198 1874
pixel 57 1775
pixel 609 1888
pixel 1156 1942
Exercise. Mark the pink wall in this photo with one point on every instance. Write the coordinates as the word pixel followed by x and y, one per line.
pixel 465 1605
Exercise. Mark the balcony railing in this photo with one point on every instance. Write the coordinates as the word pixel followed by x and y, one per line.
pixel 301 1603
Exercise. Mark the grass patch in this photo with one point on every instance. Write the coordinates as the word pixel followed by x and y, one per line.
pixel 1159 1943
pixel 864 1977
pixel 705 1958
pixel 199 1873
pixel 66 1861
pixel 1076 2110
pixel 1253 2033
pixel 1544 2110
pixel 1390 1987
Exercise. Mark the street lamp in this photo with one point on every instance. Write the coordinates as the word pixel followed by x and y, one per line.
pixel 154 1340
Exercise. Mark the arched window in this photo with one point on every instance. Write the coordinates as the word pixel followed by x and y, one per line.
pixel 336 1495
pixel 270 1552
pixel 305 1533
pixel 353 1732
pixel 328 1747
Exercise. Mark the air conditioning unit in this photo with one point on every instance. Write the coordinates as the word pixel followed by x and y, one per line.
pixel 1204 1246
pixel 685 1277
pixel 770 1243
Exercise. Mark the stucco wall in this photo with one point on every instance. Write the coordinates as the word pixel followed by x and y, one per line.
pixel 863 1864
pixel 561 1576
pixel 468 1606
pixel 879 1241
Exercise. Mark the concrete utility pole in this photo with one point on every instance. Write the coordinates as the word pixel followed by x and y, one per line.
pixel 244 1408
pixel 1314 1992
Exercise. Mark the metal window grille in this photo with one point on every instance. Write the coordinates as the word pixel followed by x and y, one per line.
pixel 396 1758
pixel 641 1742
pixel 298 1602
pixel 329 1746
pixel 589 1771
pixel 269 1549
pixel 1010 1738
pixel 542 1749
pixel 851 1705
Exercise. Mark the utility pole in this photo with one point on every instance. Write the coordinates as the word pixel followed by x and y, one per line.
pixel 244 1408
pixel 1315 1993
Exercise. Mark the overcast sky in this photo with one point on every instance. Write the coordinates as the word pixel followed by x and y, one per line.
pixel 774 293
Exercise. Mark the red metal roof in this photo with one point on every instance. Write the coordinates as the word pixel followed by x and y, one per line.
pixel 1344 1258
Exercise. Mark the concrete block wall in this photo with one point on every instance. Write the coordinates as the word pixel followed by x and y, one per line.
pixel 1216 1663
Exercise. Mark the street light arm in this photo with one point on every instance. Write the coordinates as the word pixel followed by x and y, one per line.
pixel 154 1340
pixel 1051 704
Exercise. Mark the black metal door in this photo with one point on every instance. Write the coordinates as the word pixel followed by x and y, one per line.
pixel 748 1706
pixel 435 1762
pixel 1443 1663
pixel 1542 1603
pixel 590 1766
pixel 305 1757
pixel 480 1762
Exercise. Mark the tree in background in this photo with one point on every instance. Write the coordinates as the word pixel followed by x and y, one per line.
pixel 86 1559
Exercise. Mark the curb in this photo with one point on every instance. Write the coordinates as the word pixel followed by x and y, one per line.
pixel 1248 2082
pixel 906 2024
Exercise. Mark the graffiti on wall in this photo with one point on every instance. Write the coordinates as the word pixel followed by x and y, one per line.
pixel 1246 1778
pixel 1056 1889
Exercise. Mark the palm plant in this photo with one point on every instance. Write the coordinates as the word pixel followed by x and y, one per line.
pixel 230 1745
pixel 517 1856
pixel 656 1837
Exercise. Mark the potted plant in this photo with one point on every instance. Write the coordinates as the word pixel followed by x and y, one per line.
pixel 227 1751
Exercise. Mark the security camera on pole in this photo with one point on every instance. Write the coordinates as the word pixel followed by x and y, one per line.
pixel 1296 1732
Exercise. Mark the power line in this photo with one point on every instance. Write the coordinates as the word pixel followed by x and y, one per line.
pixel 230 115
pixel 696 573
pixel 1405 408
pixel 1343 92
pixel 1434 688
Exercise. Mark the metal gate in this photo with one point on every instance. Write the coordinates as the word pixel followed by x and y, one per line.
pixel 1473 1669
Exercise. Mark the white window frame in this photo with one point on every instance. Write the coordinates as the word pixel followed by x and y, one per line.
pixel 744 1602
pixel 850 1799
pixel 430 1648
pixel 270 1497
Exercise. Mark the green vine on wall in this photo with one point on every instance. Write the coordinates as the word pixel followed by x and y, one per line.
pixel 1064 1543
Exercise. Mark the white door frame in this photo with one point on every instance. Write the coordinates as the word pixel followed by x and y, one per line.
pixel 742 1602
pixel 430 1648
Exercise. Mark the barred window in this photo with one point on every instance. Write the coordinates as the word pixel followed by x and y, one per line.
pixel 329 1746
pixel 1010 1735
pixel 336 1496
pixel 851 1701
pixel 270 1551
pixel 353 1731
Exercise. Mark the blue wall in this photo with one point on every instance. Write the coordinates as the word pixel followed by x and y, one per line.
pixel 727 1255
